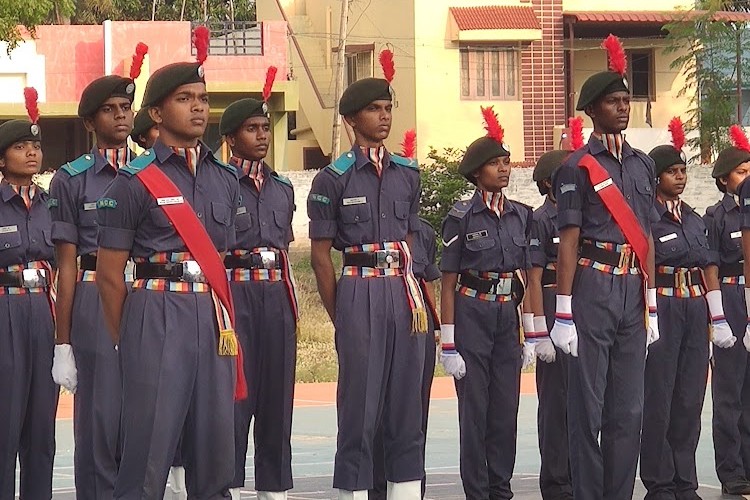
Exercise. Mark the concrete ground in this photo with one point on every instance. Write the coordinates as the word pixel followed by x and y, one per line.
pixel 314 443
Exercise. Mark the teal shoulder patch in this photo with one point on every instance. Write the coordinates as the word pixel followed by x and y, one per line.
pixel 53 202
pixel 319 198
pixel 460 209
pixel 343 163
pixel 106 203
pixel 281 178
pixel 224 165
pixel 404 161
pixel 79 165
pixel 137 164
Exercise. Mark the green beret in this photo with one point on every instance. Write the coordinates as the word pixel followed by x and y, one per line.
pixel 101 89
pixel 141 124
pixel 480 152
pixel 239 111
pixel 603 83
pixel 728 160
pixel 548 163
pixel 362 92
pixel 665 156
pixel 14 131
pixel 166 79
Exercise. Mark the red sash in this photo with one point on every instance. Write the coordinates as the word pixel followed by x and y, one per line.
pixel 200 246
pixel 618 208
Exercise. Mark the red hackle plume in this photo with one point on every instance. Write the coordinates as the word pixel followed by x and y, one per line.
pixel 409 146
pixel 492 126
pixel 617 60
pixel 31 96
pixel 678 133
pixel 576 132
pixel 738 137
pixel 140 52
pixel 386 62
pixel 201 36
pixel 270 76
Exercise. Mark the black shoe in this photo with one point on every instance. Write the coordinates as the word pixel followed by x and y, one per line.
pixel 736 487
pixel 688 495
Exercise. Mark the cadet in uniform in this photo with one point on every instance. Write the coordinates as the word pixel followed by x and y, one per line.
pixel 27 329
pixel 605 329
pixel 145 131
pixel 677 366
pixel 174 331
pixel 484 262
pixel 552 372
pixel 730 378
pixel 263 290
pixel 94 368
pixel 365 204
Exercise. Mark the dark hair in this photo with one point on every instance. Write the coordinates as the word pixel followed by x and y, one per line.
pixel 543 189
pixel 722 187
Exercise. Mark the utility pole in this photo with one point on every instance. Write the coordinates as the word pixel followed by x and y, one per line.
pixel 738 65
pixel 340 72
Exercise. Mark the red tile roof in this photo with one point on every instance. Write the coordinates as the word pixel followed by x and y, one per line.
pixel 653 17
pixel 495 17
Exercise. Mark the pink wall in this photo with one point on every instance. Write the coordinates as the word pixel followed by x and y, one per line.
pixel 74 55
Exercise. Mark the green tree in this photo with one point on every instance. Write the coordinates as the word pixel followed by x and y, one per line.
pixel 96 11
pixel 15 15
pixel 712 54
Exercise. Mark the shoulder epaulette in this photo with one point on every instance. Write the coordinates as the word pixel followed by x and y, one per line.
pixel 137 164
pixel 711 210
pixel 281 178
pixel 343 163
pixel 404 161
pixel 225 165
pixel 425 221
pixel 79 165
pixel 460 209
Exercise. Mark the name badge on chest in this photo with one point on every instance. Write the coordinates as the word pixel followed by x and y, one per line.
pixel 478 235
pixel 89 206
pixel 8 229
pixel 736 234
pixel 359 200
pixel 172 200
pixel 556 240
pixel 668 237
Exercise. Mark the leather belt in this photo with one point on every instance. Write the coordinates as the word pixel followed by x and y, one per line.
pixel 682 277
pixel 267 259
pixel 380 259
pixel 188 271
pixel 609 257
pixel 26 278
pixel 88 262
pixel 733 269
pixel 500 286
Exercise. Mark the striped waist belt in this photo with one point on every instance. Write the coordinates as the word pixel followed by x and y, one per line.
pixel 390 258
pixel 611 258
pixel 28 278
pixel 732 270
pixel 733 280
pixel 490 286
pixel 679 281
pixel 549 275
pixel 257 258
pixel 187 271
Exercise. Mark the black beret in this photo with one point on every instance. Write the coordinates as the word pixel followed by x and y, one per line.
pixel 603 83
pixel 728 160
pixel 101 89
pixel 166 79
pixel 362 92
pixel 141 124
pixel 239 111
pixel 548 163
pixel 14 131
pixel 665 156
pixel 480 152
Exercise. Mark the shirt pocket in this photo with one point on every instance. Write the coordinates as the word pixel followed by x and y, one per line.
pixel 10 240
pixel 221 212
pixel 243 222
pixel 355 214
pixel 281 217
pixel 47 233
pixel 481 244
pixel 401 209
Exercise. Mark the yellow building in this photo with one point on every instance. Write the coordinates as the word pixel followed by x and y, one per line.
pixel 527 58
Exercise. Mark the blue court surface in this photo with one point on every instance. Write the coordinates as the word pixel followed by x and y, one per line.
pixel 314 443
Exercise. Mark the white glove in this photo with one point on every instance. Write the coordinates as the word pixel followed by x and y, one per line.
pixel 64 371
pixel 652 330
pixel 451 360
pixel 564 333
pixel 543 346
pixel 528 355
pixel 721 333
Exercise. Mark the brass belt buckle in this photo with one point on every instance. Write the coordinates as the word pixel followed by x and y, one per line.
pixel 34 278
pixel 388 259
pixel 268 259
pixel 192 273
